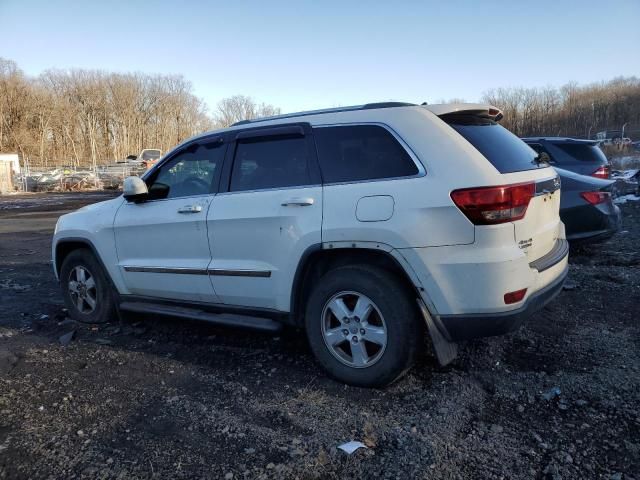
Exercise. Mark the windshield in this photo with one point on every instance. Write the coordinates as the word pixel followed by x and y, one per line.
pixel 506 152
pixel 151 155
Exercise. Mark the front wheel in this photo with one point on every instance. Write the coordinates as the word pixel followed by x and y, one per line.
pixel 85 288
pixel 363 326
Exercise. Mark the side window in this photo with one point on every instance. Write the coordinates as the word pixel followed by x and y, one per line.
pixel 540 149
pixel 537 147
pixel 190 172
pixel 361 152
pixel 270 162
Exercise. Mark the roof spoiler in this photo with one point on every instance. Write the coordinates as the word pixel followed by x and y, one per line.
pixel 479 109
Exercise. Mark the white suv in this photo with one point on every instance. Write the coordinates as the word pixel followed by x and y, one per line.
pixel 362 224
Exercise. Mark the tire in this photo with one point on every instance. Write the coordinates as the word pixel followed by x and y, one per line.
pixel 98 303
pixel 393 312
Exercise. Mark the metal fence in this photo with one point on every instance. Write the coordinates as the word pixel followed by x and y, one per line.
pixel 64 179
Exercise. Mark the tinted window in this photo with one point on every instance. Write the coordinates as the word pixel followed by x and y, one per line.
pixel 541 150
pixel 190 172
pixel 361 152
pixel 151 155
pixel 271 162
pixel 582 152
pixel 502 148
pixel 537 147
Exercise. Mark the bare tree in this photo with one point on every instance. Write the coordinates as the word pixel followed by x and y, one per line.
pixel 91 117
pixel 88 117
pixel 240 107
pixel 571 110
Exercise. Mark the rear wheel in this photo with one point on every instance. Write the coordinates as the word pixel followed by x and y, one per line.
pixel 363 326
pixel 85 289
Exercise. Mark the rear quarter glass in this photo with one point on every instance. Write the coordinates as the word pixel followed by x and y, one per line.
pixel 506 152
pixel 351 153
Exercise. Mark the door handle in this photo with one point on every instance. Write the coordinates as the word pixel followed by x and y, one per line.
pixel 190 209
pixel 298 202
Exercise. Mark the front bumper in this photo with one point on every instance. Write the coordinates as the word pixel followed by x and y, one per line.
pixel 468 326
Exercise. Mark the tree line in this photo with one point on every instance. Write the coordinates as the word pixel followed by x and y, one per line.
pixel 88 117
pixel 571 110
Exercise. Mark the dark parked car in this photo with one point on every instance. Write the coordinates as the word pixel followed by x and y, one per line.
pixel 579 156
pixel 586 207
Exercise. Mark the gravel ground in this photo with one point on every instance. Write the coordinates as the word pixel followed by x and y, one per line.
pixel 167 398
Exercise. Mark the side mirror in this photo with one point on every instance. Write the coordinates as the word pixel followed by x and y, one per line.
pixel 134 189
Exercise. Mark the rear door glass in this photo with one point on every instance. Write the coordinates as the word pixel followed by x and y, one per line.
pixel 506 152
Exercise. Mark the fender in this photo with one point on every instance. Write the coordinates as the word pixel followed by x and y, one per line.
pixel 92 227
pixel 303 270
pixel 85 242
pixel 388 249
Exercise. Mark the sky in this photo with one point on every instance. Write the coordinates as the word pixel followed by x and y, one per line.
pixel 303 54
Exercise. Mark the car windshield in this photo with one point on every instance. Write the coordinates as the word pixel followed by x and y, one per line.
pixel 583 152
pixel 151 155
pixel 506 152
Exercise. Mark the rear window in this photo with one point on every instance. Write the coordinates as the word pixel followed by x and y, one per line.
pixel 506 152
pixel 583 152
pixel 151 155
pixel 361 152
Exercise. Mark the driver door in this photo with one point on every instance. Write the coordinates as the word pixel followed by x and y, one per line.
pixel 162 243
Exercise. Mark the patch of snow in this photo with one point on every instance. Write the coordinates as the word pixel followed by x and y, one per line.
pixel 623 163
pixel 626 198
pixel 626 174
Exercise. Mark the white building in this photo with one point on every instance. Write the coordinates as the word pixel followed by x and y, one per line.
pixel 9 166
pixel 14 159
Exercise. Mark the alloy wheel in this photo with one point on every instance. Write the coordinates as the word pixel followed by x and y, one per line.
pixel 353 329
pixel 82 289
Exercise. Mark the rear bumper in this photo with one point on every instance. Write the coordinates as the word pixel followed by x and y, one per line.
pixel 591 223
pixel 472 280
pixel 592 237
pixel 469 326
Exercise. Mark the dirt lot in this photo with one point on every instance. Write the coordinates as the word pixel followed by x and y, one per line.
pixel 166 398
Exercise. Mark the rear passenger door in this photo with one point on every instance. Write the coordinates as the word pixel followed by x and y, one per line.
pixel 269 211
pixel 368 192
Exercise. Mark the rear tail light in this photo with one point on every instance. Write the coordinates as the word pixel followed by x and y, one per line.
pixel 492 205
pixel 594 198
pixel 602 172
pixel 514 297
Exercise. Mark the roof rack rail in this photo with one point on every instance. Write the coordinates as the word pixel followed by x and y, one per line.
pixel 367 106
